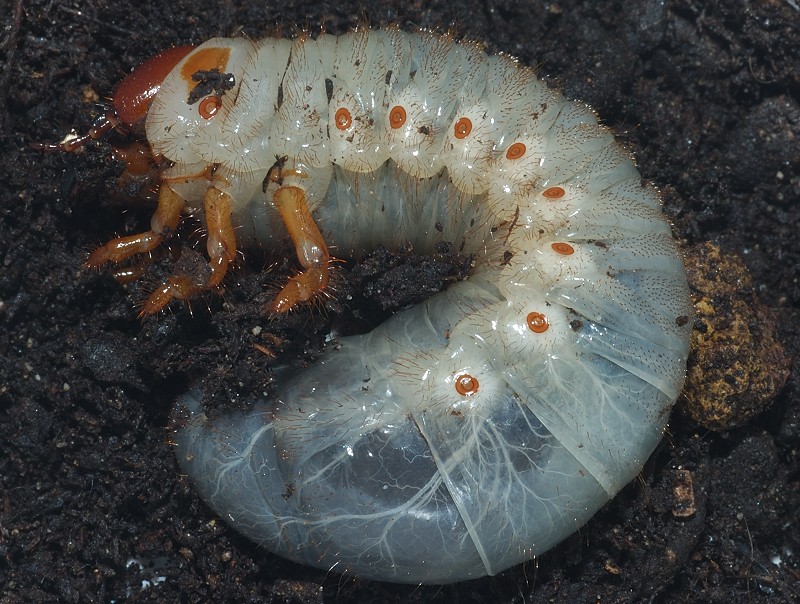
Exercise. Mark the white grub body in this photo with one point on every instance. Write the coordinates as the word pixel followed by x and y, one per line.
pixel 478 429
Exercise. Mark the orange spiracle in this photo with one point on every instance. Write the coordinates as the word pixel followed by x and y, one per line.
pixel 343 119
pixel 466 385
pixel 397 117
pixel 462 128
pixel 565 249
pixel 516 151
pixel 537 322
pixel 209 106
pixel 553 193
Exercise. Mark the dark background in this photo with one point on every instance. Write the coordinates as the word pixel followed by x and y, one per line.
pixel 704 93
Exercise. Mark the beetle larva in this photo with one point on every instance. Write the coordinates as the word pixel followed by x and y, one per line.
pixel 481 427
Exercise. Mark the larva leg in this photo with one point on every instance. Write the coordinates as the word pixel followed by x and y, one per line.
pixel 221 247
pixel 221 244
pixel 309 245
pixel 163 222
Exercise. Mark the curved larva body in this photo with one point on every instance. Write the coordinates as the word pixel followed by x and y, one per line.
pixel 473 431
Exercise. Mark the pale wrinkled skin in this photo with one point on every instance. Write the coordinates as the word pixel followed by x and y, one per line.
pixel 372 461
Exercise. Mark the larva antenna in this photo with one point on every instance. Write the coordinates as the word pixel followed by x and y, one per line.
pixel 131 101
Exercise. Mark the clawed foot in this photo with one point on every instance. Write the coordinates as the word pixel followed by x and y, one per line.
pixel 221 246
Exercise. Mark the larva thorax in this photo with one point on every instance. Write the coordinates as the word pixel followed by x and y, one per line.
pixel 250 118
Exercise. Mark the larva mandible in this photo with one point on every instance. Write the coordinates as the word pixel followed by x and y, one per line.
pixel 470 432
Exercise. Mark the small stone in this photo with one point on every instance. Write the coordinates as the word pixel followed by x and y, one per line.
pixel 736 363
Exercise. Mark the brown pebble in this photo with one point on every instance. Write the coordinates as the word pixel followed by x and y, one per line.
pixel 683 494
pixel 736 364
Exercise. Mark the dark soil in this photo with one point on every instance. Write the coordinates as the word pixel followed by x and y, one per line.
pixel 707 96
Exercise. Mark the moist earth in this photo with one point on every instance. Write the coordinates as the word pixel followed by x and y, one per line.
pixel 705 94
